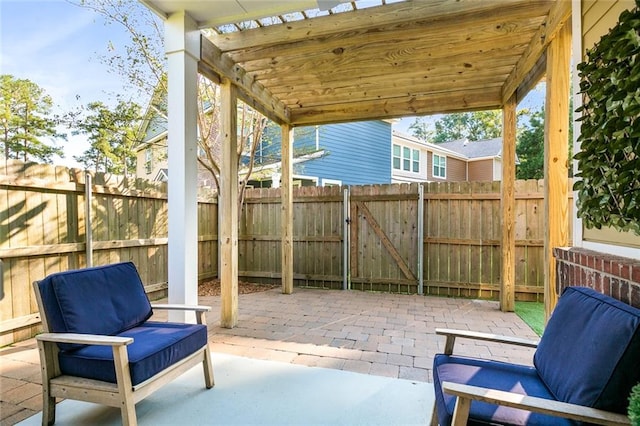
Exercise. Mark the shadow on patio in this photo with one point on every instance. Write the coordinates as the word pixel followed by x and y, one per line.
pixel 385 336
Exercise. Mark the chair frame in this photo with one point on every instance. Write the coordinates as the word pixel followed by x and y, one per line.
pixel 465 393
pixel 121 394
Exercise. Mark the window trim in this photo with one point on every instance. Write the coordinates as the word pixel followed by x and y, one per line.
pixel 331 182
pixel 395 157
pixel 148 160
pixel 406 164
pixel 439 166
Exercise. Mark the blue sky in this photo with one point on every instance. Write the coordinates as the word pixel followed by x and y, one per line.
pixel 58 46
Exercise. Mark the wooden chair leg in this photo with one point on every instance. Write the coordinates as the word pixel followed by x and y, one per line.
pixel 207 365
pixel 49 367
pixel 434 416
pixel 125 389
pixel 128 411
pixel 461 412
pixel 48 408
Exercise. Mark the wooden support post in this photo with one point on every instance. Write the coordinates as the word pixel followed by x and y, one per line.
pixel 508 203
pixel 556 144
pixel 286 215
pixel 228 206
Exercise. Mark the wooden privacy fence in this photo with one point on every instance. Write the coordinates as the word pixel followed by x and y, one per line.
pixel 43 218
pixel 442 239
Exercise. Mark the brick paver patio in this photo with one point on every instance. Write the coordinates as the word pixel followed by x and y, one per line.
pixel 371 333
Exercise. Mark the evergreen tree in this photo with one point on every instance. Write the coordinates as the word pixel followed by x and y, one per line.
pixel 112 134
pixel 28 129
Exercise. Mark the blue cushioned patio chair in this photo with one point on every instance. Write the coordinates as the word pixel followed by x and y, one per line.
pixel 99 346
pixel 585 365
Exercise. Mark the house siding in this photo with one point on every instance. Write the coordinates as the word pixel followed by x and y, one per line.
pixel 598 17
pixel 481 170
pixel 158 160
pixel 355 154
pixel 456 170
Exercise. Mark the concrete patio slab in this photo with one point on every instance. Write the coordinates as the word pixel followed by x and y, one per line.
pixel 252 392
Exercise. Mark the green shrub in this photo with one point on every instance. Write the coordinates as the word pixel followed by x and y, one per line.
pixel 634 405
pixel 608 160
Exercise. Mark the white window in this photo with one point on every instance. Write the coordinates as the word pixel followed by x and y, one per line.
pixel 331 182
pixel 439 166
pixel 405 158
pixel 148 160
pixel 397 158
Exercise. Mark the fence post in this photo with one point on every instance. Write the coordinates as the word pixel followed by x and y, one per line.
pixel 346 232
pixel 420 239
pixel 87 219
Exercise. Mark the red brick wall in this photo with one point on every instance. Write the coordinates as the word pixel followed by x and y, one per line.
pixel 616 276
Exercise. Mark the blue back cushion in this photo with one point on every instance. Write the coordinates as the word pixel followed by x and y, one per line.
pixel 102 300
pixel 589 353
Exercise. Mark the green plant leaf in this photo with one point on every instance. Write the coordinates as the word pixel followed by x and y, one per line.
pixel 608 163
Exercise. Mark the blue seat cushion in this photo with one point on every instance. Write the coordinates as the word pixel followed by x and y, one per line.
pixel 589 353
pixel 156 346
pixel 495 375
pixel 101 300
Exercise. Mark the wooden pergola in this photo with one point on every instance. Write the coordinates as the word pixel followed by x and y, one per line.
pixel 300 66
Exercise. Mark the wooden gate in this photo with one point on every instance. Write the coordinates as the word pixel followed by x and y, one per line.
pixel 383 238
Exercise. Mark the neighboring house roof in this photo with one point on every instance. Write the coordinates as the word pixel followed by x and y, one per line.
pixel 488 148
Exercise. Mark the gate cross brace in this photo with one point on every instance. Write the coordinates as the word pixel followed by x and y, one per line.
pixel 366 213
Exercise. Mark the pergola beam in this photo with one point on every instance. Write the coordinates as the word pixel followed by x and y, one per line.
pixel 533 78
pixel 487 30
pixel 258 96
pixel 363 19
pixel 559 14
pixel 435 103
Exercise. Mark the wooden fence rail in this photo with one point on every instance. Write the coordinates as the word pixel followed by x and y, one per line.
pixel 43 230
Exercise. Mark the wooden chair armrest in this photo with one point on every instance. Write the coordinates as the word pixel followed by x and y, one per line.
pixel 452 334
pixel 85 339
pixel 466 394
pixel 174 307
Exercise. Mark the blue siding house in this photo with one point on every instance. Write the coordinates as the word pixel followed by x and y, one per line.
pixel 338 154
